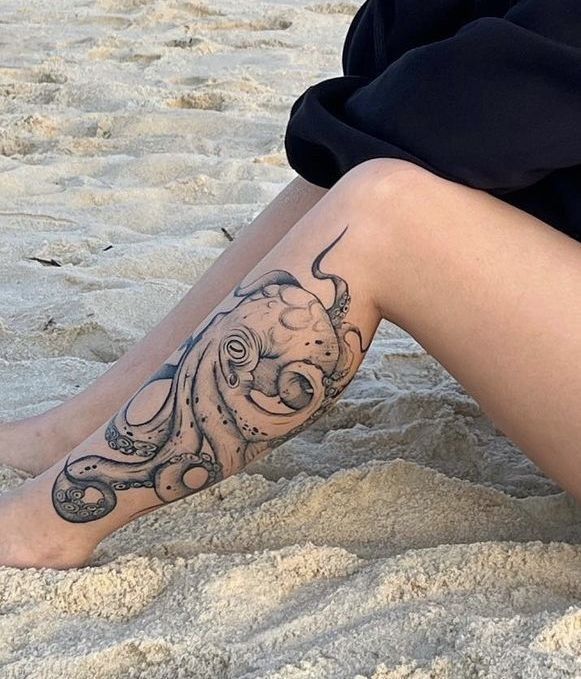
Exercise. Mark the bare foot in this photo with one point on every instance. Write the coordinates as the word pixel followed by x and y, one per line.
pixel 36 443
pixel 33 536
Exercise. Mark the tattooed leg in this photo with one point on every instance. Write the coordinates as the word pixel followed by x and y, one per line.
pixel 258 372
pixel 263 365
pixel 35 443
pixel 489 290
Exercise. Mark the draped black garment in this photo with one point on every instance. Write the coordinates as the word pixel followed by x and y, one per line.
pixel 486 93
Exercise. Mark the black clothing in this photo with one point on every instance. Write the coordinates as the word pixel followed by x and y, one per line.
pixel 485 93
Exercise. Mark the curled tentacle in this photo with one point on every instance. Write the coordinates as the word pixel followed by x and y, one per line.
pixel 258 417
pixel 147 438
pixel 69 498
pixel 338 310
pixel 95 475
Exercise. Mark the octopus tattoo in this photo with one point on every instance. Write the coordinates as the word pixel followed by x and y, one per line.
pixel 251 378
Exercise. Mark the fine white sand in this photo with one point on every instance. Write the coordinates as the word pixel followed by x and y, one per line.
pixel 402 536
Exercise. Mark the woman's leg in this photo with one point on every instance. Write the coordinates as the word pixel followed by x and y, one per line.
pixel 493 294
pixel 35 443
pixel 265 362
pixel 489 290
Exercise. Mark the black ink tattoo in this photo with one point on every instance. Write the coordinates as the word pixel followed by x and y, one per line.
pixel 252 377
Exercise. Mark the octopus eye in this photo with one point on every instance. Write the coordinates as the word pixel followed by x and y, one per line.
pixel 239 353
pixel 236 350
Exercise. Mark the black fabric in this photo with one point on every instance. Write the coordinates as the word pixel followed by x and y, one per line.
pixel 486 93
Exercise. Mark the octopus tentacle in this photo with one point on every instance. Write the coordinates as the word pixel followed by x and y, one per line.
pixel 149 436
pixel 169 477
pixel 103 477
pixel 338 310
pixel 238 388
pixel 276 277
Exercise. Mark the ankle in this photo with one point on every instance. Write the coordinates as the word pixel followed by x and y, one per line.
pixel 31 538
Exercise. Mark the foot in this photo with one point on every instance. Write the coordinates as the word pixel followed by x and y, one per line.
pixel 36 443
pixel 32 536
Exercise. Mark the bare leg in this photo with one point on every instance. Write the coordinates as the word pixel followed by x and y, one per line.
pixel 34 444
pixel 489 290
pixel 493 294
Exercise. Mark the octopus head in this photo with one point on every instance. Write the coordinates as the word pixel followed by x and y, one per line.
pixel 277 353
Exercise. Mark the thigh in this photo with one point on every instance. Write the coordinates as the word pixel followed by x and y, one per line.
pixel 493 294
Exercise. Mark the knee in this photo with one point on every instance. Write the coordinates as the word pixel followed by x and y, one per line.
pixel 397 213
pixel 384 176
pixel 388 196
pixel 393 190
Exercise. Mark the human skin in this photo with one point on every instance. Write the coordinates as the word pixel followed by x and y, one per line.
pixel 35 443
pixel 487 289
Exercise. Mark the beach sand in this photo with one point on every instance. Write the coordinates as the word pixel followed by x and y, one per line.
pixel 403 536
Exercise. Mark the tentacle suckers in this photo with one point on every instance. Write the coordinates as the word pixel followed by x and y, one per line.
pixel 254 375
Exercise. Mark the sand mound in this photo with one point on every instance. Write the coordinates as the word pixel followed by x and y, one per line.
pixel 402 536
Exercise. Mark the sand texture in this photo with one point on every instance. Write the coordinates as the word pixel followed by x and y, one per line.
pixel 403 536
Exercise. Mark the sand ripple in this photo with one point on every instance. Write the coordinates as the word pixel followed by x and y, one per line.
pixel 403 536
